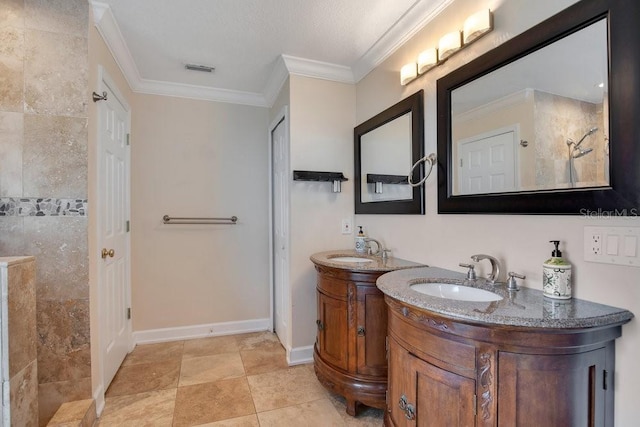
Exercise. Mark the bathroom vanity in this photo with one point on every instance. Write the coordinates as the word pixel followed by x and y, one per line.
pixel 523 360
pixel 350 351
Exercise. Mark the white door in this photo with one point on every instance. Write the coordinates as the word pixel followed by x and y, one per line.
pixel 487 164
pixel 280 227
pixel 113 237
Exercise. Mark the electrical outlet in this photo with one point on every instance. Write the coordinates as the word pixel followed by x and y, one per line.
pixel 612 245
pixel 596 243
pixel 346 226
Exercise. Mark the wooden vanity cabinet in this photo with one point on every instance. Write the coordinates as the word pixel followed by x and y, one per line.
pixel 452 373
pixel 350 350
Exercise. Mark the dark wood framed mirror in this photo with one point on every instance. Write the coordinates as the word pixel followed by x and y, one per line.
pixel 385 148
pixel 611 133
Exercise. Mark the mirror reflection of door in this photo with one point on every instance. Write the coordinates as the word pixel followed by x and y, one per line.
pixel 487 163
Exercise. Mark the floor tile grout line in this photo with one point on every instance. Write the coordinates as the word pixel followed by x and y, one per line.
pixel 252 345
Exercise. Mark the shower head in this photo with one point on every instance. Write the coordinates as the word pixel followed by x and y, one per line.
pixel 579 152
pixel 589 133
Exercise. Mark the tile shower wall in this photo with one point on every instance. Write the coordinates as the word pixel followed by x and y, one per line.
pixel 43 180
pixel 568 118
pixel 17 280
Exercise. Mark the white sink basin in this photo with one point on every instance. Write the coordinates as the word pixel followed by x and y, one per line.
pixel 455 292
pixel 350 259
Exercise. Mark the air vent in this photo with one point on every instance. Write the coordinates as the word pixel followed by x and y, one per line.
pixel 196 67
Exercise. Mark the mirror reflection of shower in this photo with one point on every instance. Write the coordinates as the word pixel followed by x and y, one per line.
pixel 575 152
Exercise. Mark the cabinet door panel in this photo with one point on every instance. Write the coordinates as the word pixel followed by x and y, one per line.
pixel 371 332
pixel 438 397
pixel 401 384
pixel 443 398
pixel 332 330
pixel 551 390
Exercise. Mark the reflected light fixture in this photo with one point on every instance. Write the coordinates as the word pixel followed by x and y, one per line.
pixel 407 73
pixel 427 60
pixel 477 25
pixel 449 44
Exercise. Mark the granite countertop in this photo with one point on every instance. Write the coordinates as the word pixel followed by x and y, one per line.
pixel 376 263
pixel 526 307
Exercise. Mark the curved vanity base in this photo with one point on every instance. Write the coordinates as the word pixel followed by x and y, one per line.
pixel 355 389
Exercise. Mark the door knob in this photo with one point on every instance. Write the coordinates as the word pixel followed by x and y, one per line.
pixel 106 253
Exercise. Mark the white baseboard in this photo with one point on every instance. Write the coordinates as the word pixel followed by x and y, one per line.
pixel 201 331
pixel 98 396
pixel 300 355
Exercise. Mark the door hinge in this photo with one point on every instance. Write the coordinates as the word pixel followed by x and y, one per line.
pixel 128 139
pixel 604 379
pixel 128 313
pixel 127 226
pixel 460 162
pixel 475 405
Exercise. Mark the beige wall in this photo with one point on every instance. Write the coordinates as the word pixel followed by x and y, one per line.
pixel 520 242
pixel 198 159
pixel 322 117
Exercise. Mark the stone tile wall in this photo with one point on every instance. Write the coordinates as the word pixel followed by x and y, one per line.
pixel 557 119
pixel 17 281
pixel 43 180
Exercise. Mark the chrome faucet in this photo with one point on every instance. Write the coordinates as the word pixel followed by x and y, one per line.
pixel 379 249
pixel 495 267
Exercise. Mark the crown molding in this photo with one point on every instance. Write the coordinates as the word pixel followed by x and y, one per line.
pixel 277 79
pixel 318 69
pixel 496 105
pixel 205 93
pixel 404 29
pixel 108 28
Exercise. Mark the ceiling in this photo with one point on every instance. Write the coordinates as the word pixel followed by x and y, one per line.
pixel 253 44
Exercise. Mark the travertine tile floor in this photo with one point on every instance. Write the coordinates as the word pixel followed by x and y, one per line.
pixel 230 381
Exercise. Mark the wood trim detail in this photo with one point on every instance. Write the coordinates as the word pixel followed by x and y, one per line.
pixel 486 377
pixel 424 319
pixel 351 316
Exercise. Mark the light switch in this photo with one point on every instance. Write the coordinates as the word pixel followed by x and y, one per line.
pixel 612 244
pixel 630 246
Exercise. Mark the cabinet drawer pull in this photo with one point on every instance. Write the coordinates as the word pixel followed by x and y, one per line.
pixel 402 403
pixel 360 331
pixel 320 325
pixel 408 408
pixel 410 412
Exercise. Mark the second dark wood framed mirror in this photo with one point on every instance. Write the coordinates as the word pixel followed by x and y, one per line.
pixel 386 146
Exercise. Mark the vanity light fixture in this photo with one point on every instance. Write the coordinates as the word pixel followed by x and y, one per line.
pixel 407 73
pixel 449 44
pixel 476 25
pixel 427 60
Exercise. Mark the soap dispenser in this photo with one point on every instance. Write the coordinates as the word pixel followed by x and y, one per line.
pixel 361 243
pixel 556 275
